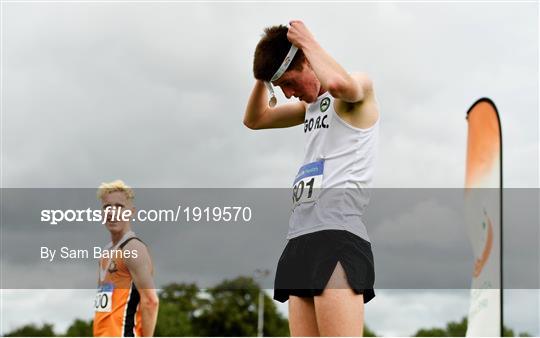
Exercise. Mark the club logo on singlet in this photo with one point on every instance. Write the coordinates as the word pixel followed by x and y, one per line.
pixel 320 121
pixel 325 103
pixel 112 267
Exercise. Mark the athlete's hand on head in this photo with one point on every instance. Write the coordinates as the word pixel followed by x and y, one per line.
pixel 298 34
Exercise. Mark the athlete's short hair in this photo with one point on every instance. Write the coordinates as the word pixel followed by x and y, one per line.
pixel 118 185
pixel 271 51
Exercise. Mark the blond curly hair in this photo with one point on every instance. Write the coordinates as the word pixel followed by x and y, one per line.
pixel 117 185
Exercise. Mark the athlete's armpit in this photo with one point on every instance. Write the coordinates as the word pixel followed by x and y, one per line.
pixel 364 113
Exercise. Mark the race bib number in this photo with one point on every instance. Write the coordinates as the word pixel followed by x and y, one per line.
pixel 308 182
pixel 103 301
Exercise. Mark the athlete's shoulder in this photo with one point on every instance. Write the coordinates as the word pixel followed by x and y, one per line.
pixel 134 244
pixel 135 251
pixel 131 241
pixel 138 259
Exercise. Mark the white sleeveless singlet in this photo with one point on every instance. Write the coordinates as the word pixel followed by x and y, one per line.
pixel 339 159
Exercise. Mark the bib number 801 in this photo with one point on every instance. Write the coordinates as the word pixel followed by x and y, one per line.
pixel 308 182
pixel 303 187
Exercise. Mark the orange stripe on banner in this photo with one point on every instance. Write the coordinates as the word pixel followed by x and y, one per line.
pixel 483 142
pixel 481 261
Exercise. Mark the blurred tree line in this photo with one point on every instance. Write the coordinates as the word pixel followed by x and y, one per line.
pixel 227 309
pixel 458 329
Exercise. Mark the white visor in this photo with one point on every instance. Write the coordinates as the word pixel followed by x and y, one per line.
pixel 282 69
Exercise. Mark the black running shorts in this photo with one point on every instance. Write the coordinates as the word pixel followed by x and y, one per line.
pixel 308 261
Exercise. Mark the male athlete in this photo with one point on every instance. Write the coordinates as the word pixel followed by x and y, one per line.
pixel 326 270
pixel 126 304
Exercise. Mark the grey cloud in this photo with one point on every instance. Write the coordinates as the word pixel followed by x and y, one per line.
pixel 167 84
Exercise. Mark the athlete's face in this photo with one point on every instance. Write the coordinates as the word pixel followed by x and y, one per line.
pixel 302 84
pixel 114 206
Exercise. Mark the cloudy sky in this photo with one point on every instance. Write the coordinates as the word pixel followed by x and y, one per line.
pixel 154 94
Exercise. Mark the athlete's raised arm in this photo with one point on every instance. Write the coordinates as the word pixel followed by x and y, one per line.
pixel 141 271
pixel 259 115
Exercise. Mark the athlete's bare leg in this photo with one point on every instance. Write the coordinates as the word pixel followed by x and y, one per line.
pixel 339 311
pixel 302 320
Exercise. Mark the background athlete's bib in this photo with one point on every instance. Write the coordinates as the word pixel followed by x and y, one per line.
pixel 103 301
